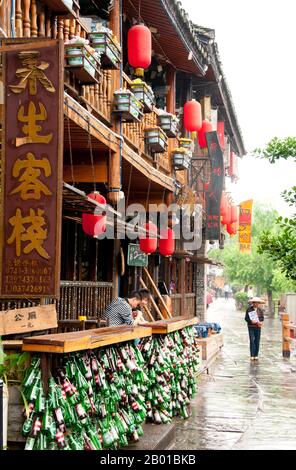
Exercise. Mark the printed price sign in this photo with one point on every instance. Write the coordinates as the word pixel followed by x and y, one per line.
pixel 136 257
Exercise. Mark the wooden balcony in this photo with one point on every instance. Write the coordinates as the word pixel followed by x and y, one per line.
pixel 35 19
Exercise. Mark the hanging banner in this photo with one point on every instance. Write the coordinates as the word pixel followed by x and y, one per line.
pixel 32 169
pixel 245 226
pixel 214 192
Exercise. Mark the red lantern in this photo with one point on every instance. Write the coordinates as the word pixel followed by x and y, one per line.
pixel 139 46
pixel 232 228
pixel 167 242
pixel 93 224
pixel 206 127
pixel 226 220
pixel 148 242
pixel 206 186
pixel 234 213
pixel 192 116
pixel 223 204
pixel 221 134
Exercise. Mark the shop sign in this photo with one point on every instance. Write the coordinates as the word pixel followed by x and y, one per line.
pixel 24 320
pixel 214 193
pixel 245 226
pixel 32 169
pixel 136 257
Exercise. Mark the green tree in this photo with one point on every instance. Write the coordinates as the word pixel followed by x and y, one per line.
pixel 257 269
pixel 281 247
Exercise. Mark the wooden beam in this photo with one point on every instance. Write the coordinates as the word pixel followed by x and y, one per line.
pixel 157 292
pixel 84 173
pixel 171 83
pixel 152 300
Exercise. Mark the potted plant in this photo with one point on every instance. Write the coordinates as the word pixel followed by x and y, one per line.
pixel 104 42
pixel 156 139
pixel 12 371
pixel 127 105
pixel 180 158
pixel 169 123
pixel 143 93
pixel 82 60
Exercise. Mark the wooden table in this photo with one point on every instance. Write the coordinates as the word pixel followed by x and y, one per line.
pixel 173 324
pixel 87 339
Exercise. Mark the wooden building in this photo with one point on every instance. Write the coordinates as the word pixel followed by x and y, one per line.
pixel 106 149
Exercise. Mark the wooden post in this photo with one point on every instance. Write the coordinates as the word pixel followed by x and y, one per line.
pixel 152 300
pixel 171 83
pixel 26 19
pixel 206 107
pixel 18 19
pixel 114 159
pixel 286 334
pixel 115 276
pixel 157 292
pixel 182 286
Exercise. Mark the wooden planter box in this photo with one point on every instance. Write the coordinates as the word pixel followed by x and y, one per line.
pixel 65 8
pixel 144 95
pixel 156 139
pixel 110 52
pixel 169 124
pixel 180 161
pixel 82 64
pixel 127 106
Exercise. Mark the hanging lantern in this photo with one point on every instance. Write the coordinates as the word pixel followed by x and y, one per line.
pixel 92 224
pixel 226 220
pixel 234 213
pixel 206 186
pixel 206 127
pixel 148 242
pixel 139 47
pixel 223 204
pixel 221 134
pixel 192 116
pixel 167 242
pixel 232 228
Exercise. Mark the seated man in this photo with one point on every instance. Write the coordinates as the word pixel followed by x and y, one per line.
pixel 119 312
pixel 137 312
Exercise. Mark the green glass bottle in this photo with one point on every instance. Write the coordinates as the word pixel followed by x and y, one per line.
pixel 30 443
pixel 28 424
pixel 30 374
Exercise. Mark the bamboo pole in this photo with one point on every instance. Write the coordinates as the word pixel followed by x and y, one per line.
pixel 157 292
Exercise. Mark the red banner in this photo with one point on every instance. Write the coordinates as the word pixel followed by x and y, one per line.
pixel 32 170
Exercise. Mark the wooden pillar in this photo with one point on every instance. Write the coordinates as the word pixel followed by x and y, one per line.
pixel 285 334
pixel 182 286
pixel 114 159
pixel 115 275
pixel 206 107
pixel 171 96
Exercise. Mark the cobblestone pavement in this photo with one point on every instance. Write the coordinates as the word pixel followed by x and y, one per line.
pixel 243 404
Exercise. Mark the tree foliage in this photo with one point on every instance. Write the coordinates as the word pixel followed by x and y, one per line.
pixel 278 149
pixel 257 268
pixel 281 246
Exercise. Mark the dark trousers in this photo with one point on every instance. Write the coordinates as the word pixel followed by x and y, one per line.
pixel 254 335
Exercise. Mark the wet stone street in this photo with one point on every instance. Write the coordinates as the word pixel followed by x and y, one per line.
pixel 243 404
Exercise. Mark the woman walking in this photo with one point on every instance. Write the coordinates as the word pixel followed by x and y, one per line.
pixel 255 318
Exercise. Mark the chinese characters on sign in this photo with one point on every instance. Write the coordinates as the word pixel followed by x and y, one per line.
pixel 245 224
pixel 32 177
pixel 23 320
pixel 136 257
pixel 213 196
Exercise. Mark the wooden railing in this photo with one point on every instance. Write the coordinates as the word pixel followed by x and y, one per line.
pixel 76 298
pixel 34 19
pixel 189 305
pixel 134 133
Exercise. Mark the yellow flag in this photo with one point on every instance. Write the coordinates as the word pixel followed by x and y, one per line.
pixel 245 224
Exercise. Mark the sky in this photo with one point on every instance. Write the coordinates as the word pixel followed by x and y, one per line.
pixel 256 41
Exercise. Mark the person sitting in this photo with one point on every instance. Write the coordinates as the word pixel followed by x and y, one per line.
pixel 120 311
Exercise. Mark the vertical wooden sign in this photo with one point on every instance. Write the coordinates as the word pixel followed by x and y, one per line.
pixel 214 193
pixel 32 170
